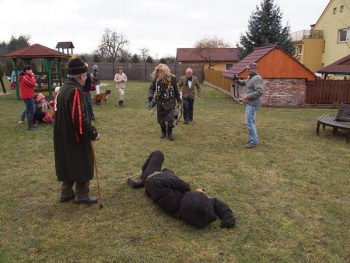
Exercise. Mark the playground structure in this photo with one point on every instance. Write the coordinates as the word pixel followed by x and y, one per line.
pixel 52 69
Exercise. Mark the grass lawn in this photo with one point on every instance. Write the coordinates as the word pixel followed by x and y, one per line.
pixel 290 195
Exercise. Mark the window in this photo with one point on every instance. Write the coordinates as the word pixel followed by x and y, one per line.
pixel 344 35
pixel 341 8
pixel 229 65
pixel 334 10
pixel 299 49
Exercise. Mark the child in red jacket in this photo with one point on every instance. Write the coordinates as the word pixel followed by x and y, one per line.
pixel 27 83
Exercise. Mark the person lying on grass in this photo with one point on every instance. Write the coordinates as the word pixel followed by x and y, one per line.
pixel 174 196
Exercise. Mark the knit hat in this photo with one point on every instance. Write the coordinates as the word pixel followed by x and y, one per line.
pixel 252 66
pixel 76 66
pixel 95 67
pixel 197 209
pixel 189 70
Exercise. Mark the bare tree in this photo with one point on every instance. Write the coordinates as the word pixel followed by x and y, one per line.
pixel 112 43
pixel 204 48
pixel 144 54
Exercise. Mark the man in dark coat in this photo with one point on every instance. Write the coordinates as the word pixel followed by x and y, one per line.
pixel 174 196
pixel 73 134
pixel 165 90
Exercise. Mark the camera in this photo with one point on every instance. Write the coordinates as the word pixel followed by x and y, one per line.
pixel 234 77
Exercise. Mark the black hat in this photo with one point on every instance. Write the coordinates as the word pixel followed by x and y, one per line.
pixel 76 66
pixel 197 209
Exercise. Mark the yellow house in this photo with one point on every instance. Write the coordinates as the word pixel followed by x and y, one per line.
pixel 214 58
pixel 328 40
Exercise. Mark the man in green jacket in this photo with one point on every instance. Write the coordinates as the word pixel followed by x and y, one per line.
pixel 73 134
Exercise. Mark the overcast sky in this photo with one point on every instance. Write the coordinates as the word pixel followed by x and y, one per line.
pixel 160 26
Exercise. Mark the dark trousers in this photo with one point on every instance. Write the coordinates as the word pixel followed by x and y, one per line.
pixel 188 109
pixel 82 190
pixel 153 163
pixel 89 104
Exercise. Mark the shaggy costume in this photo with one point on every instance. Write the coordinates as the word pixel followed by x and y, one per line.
pixel 166 93
pixel 174 196
pixel 73 134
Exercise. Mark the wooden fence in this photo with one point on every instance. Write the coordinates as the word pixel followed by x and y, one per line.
pixel 327 92
pixel 215 77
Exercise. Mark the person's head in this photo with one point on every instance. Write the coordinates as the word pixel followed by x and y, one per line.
pixel 120 70
pixel 95 67
pixel 27 69
pixel 77 70
pixel 189 72
pixel 161 71
pixel 252 67
pixel 196 209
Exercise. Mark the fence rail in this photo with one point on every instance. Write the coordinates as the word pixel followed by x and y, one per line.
pixel 327 92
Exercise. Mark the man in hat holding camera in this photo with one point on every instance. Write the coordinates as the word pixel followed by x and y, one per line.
pixel 73 133
pixel 253 91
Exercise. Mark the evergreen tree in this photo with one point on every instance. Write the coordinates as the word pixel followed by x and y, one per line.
pixel 265 29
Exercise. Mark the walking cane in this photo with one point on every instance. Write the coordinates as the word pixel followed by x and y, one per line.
pixel 97 177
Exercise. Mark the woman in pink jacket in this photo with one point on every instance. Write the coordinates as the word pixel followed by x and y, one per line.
pixel 27 83
pixel 120 78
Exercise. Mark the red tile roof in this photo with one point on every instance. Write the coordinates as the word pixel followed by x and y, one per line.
pixel 36 51
pixel 273 62
pixel 217 55
pixel 253 57
pixel 342 66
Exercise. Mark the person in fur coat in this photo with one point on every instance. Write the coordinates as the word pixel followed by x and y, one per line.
pixel 120 78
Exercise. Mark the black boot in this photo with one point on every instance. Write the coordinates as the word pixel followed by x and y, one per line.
pixel 31 126
pixel 134 183
pixel 170 133
pixel 163 132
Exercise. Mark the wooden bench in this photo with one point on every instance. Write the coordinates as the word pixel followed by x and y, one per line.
pixel 341 121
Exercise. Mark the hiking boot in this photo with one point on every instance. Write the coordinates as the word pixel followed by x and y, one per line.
pixel 251 145
pixel 163 135
pixel 134 183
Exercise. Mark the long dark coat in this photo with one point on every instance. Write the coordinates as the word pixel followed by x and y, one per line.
pixel 73 133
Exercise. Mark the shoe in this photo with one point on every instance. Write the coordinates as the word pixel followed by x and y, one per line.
pixel 186 122
pixel 171 137
pixel 134 183
pixel 20 122
pixel 92 118
pixel 162 135
pixel 87 201
pixel 251 145
pixel 66 199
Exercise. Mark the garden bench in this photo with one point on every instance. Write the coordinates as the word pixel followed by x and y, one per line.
pixel 341 121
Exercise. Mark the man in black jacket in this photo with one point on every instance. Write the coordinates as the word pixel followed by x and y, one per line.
pixel 175 197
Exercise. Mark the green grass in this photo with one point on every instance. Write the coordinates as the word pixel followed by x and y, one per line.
pixel 290 194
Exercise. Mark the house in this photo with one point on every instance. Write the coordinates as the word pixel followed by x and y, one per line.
pixel 340 67
pixel 328 40
pixel 210 58
pixel 284 77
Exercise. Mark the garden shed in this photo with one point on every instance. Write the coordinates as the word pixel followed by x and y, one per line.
pixel 50 72
pixel 284 77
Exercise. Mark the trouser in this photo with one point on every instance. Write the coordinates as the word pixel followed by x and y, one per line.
pixel 89 104
pixel 97 89
pixel 121 94
pixel 82 190
pixel 188 109
pixel 250 113
pixel 153 163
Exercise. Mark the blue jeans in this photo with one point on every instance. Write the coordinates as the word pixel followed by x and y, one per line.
pixel 250 112
pixel 30 108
